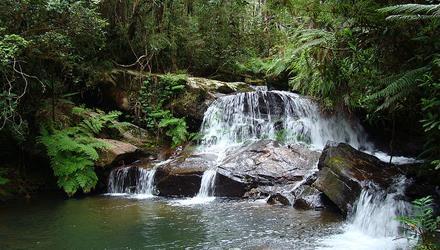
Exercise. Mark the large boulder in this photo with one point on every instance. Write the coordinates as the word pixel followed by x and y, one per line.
pixel 117 153
pixel 182 175
pixel 345 171
pixel 265 163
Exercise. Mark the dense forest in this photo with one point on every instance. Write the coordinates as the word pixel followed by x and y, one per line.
pixel 75 72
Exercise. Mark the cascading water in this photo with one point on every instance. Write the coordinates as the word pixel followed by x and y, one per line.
pixel 132 180
pixel 232 120
pixel 208 184
pixel 373 223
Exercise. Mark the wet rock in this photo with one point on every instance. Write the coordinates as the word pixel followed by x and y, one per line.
pixel 182 176
pixel 267 163
pixel 307 197
pixel 278 199
pixel 117 152
pixel 344 171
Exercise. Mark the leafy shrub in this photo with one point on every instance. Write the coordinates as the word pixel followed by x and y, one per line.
pixel 176 129
pixel 156 93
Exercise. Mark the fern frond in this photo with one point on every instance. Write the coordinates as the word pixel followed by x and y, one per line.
pixel 409 17
pixel 412 12
pixel 424 9
pixel 406 81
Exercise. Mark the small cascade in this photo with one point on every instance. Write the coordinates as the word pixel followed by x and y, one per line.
pixel 373 223
pixel 132 180
pixel 208 184
pixel 206 191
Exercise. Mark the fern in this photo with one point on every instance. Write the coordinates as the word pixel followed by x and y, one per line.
pixel 74 150
pixel 176 129
pixel 411 12
pixel 154 97
pixel 423 222
pixel 398 87
pixel 94 122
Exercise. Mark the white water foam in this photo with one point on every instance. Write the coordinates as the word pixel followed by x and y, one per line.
pixel 206 192
pixel 373 224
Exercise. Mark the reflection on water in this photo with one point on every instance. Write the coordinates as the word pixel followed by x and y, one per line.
pixel 116 222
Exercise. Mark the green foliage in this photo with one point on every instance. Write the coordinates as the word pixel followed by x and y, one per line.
pixel 3 180
pixel 431 119
pixel 156 93
pixel 281 136
pixel 74 150
pixel 176 129
pixel 399 87
pixel 422 222
pixel 94 122
pixel 10 47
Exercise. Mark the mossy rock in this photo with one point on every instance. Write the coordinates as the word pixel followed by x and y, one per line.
pixel 344 171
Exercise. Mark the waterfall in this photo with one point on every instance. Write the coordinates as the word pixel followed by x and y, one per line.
pixel 132 180
pixel 373 223
pixel 277 115
pixel 233 120
pixel 207 185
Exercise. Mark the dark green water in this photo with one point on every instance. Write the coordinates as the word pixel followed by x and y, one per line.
pixel 104 222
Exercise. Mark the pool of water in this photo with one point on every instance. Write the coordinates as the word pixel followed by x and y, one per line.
pixel 120 222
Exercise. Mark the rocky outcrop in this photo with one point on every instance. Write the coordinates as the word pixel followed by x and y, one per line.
pixel 117 152
pixel 344 171
pixel 267 163
pixel 132 134
pixel 214 86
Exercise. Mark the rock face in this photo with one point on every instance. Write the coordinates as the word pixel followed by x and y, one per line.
pixel 134 135
pixel 344 171
pixel 267 163
pixel 118 151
